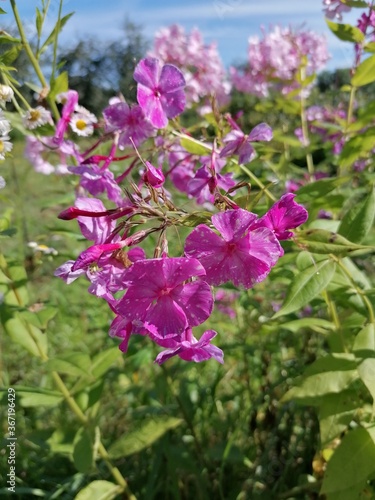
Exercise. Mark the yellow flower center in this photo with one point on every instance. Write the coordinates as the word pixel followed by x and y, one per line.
pixel 34 115
pixel 81 124
pixel 1 146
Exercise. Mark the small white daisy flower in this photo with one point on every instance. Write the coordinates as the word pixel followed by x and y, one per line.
pixel 36 117
pixel 82 121
pixel 6 93
pixel 5 146
pixel 5 127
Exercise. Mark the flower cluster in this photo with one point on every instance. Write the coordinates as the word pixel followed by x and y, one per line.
pixel 203 70
pixel 274 60
pixel 161 296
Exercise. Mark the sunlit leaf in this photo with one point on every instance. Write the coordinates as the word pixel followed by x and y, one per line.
pixel 307 285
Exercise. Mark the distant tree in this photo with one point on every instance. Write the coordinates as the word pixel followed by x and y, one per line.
pixel 100 71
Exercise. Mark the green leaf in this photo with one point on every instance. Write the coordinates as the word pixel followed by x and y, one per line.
pixel 31 397
pixel 57 28
pixel 365 73
pixel 358 221
pixel 366 372
pixel 74 363
pixel 2 11
pixel 83 452
pixel 194 147
pixel 307 285
pixel 38 22
pixel 319 325
pixel 196 218
pixel 335 414
pixel 59 85
pixel 346 32
pixel 359 4
pixel 351 464
pixel 103 361
pixel 9 56
pixel 99 490
pixel 319 189
pixel 26 335
pixel 365 339
pixel 143 437
pixel 357 147
pixel 325 242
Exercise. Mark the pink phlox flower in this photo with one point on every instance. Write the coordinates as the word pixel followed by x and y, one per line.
pixel 335 8
pixel 241 254
pixel 109 278
pixel 237 143
pixel 161 293
pixel 153 176
pixel 188 348
pixel 129 121
pixel 201 65
pixel 69 100
pixel 122 329
pixel 160 91
pixel 96 181
pixel 208 178
pixel 65 272
pixel 97 229
pixel 284 215
pixel 38 150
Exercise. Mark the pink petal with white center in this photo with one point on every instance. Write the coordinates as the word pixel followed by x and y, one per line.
pixel 232 224
pixel 152 107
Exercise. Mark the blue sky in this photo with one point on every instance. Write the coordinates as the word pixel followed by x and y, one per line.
pixel 228 22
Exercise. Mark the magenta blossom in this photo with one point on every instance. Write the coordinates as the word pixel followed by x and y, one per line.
pixel 242 255
pixel 237 143
pixel 161 293
pixel 285 214
pixel 96 181
pixel 187 347
pixel 160 90
pixel 129 121
pixel 153 176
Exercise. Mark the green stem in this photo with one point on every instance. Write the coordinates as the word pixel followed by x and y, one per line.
pixel 258 182
pixel 54 62
pixel 32 58
pixel 335 317
pixel 305 128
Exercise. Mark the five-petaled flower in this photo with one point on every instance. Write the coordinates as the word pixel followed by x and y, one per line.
pixel 160 91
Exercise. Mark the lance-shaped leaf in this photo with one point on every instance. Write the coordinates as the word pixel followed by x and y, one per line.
pixel 323 241
pixel 99 490
pixel 358 221
pixel 143 437
pixel 346 32
pixel 307 285
pixel 350 465
pixel 365 73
